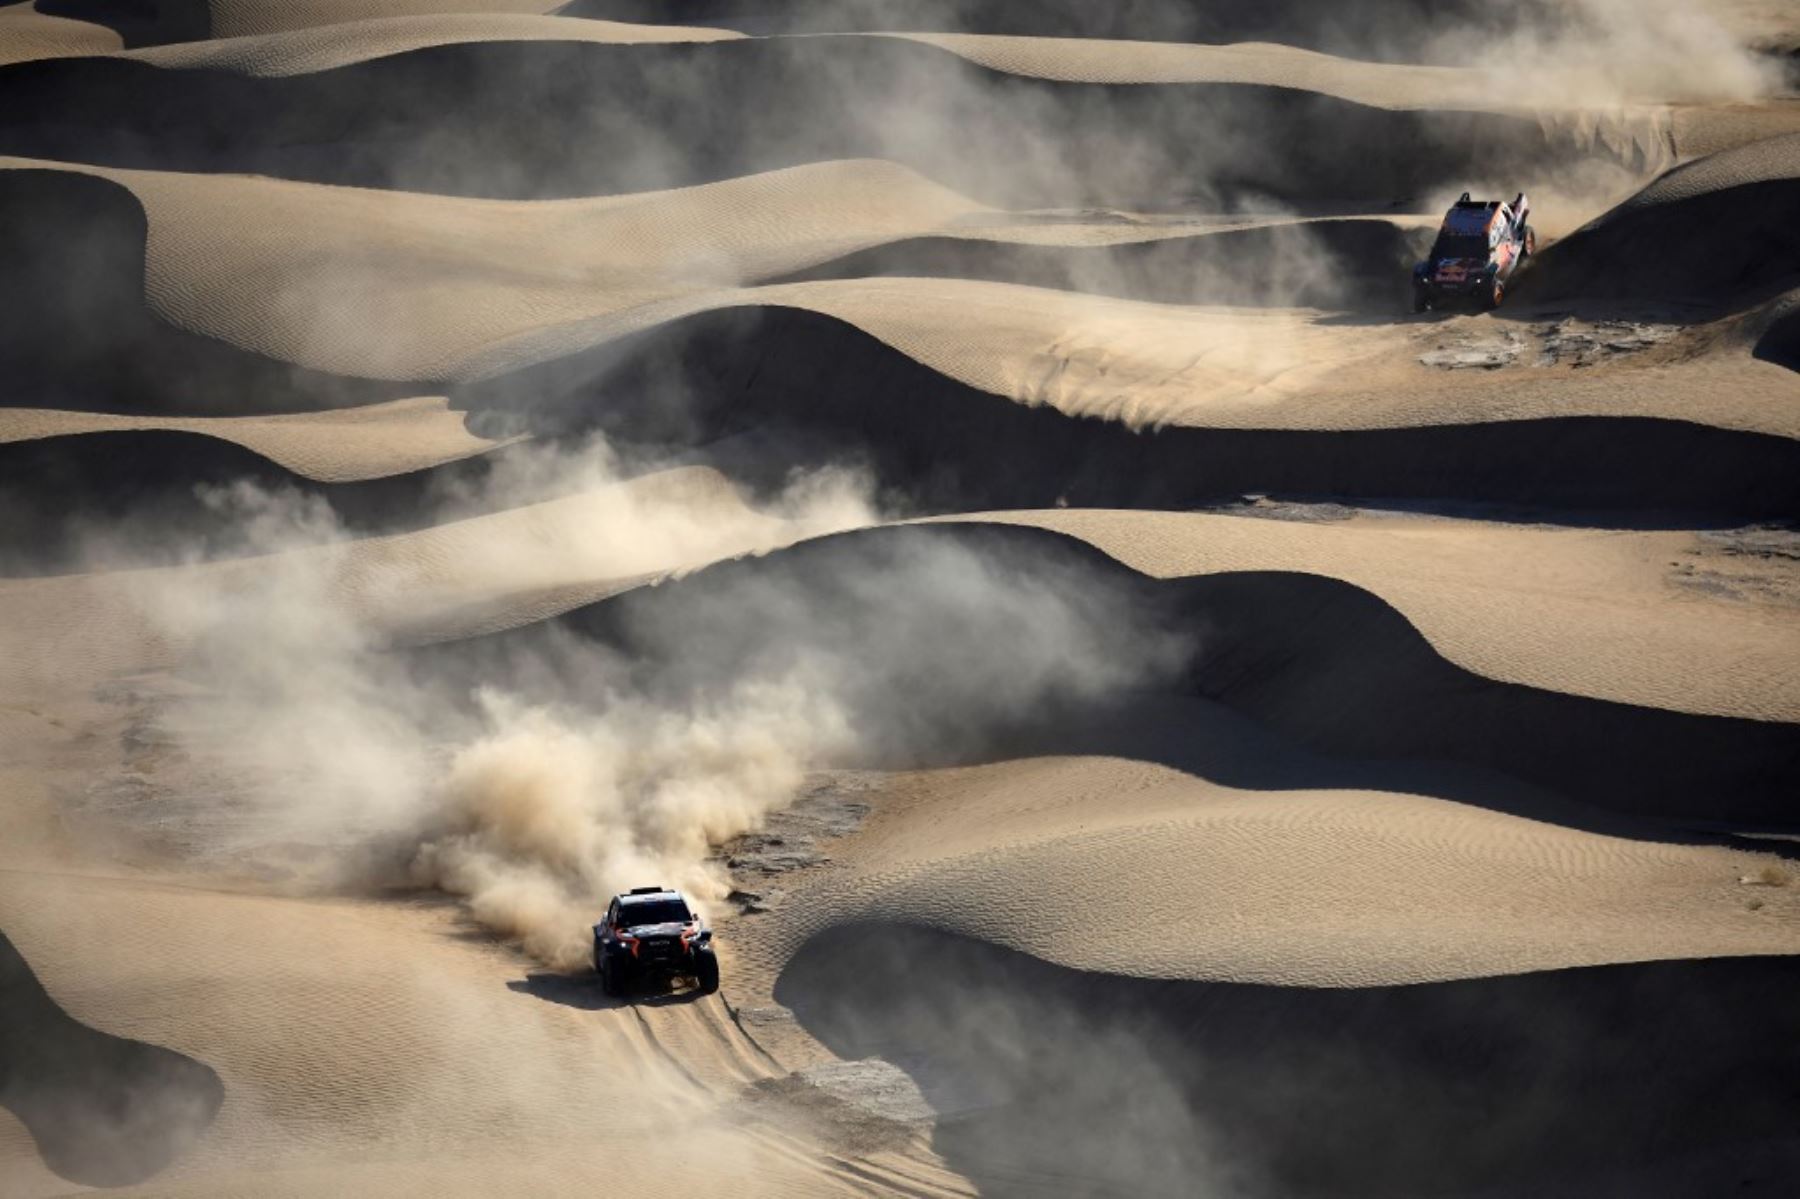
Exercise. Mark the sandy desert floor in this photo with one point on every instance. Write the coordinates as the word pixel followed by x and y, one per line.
pixel 956 487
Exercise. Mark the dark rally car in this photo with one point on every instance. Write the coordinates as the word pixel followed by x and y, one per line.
pixel 1480 247
pixel 650 934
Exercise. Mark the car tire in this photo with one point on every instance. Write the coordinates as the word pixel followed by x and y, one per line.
pixel 1530 242
pixel 706 972
pixel 1496 295
pixel 610 982
pixel 1421 300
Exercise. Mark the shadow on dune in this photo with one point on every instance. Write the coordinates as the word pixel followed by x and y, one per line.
pixel 500 119
pixel 138 22
pixel 1661 1079
pixel 1780 341
pixel 762 392
pixel 147 497
pixel 1209 739
pixel 1356 265
pixel 806 388
pixel 1315 659
pixel 87 340
pixel 104 1110
pixel 1397 29
pixel 1338 669
pixel 1715 229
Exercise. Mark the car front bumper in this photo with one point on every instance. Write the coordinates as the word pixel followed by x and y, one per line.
pixel 1469 285
pixel 673 961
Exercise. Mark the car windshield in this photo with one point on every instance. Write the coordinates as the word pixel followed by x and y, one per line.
pixel 653 911
pixel 1460 245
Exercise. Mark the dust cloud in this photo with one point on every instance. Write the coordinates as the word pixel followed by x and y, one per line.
pixel 562 769
pixel 1604 53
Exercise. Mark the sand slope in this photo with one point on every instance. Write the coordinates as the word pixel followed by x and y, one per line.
pixel 362 1069
pixel 26 33
pixel 812 98
pixel 955 485
pixel 1637 249
pixel 311 288
pixel 1296 888
pixel 455 579
pixel 337 446
pixel 329 44
pixel 1594 620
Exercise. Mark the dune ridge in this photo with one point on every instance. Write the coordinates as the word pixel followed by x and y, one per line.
pixel 1415 877
pixel 453 579
pixel 27 34
pixel 1326 662
pixel 322 47
pixel 336 446
pixel 958 488
pixel 202 120
pixel 349 317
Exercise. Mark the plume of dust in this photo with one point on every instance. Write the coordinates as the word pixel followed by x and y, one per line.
pixel 345 771
pixel 1611 52
pixel 557 777
pixel 547 812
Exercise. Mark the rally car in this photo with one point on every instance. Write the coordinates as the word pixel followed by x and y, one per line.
pixel 650 934
pixel 1480 247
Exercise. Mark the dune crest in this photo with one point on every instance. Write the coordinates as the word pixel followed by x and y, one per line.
pixel 993 500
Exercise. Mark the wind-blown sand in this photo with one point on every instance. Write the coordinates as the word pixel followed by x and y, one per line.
pixel 954 486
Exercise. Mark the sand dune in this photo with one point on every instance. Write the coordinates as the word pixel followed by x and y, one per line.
pixel 69 475
pixel 1407 31
pixel 593 271
pixel 955 486
pixel 1322 889
pixel 1595 620
pixel 1633 1056
pixel 827 382
pixel 256 42
pixel 455 579
pixel 1327 664
pixel 1068 60
pixel 1158 365
pixel 1748 190
pixel 343 445
pixel 779 102
pixel 26 34
pixel 404 286
pixel 147 497
pixel 64 1077
pixel 1379 85
pixel 244 18
pixel 76 243
pixel 1271 262
pixel 329 44
pixel 359 1070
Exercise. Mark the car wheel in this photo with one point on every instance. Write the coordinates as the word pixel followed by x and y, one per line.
pixel 706 974
pixel 1421 300
pixel 1496 293
pixel 610 982
pixel 1530 241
